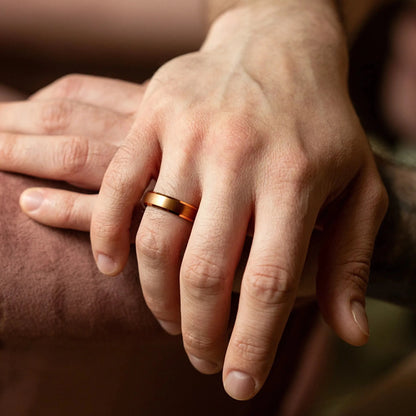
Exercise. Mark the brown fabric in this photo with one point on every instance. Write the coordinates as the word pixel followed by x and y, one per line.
pixel 74 342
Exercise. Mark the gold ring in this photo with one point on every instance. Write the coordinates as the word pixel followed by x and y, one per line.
pixel 177 207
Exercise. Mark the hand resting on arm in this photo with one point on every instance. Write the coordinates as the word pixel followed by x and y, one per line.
pixel 64 320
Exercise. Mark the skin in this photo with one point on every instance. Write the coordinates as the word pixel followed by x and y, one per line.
pixel 68 311
pixel 304 155
pixel 79 153
pixel 311 160
pixel 391 269
pixel 74 209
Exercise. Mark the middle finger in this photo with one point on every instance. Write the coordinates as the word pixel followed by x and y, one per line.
pixel 161 240
pixel 208 269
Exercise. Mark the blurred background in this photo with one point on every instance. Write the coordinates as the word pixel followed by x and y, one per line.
pixel 42 40
pixel 378 379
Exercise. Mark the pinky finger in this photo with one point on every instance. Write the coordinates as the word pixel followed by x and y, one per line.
pixel 58 208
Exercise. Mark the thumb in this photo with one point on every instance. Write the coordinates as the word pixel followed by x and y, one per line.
pixel 344 264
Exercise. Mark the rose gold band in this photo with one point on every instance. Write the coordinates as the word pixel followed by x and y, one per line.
pixel 167 203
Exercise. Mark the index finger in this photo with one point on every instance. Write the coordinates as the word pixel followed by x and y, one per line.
pixel 268 292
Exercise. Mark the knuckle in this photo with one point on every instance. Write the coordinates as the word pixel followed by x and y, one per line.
pixel 234 142
pixel 304 167
pixel 239 128
pixel 127 151
pixel 72 156
pixel 202 274
pixel 151 248
pixel 68 85
pixel 8 144
pixel 250 349
pixel 376 200
pixel 55 116
pixel 357 274
pixel 66 213
pixel 116 180
pixel 191 138
pixel 198 344
pixel 298 169
pixel 270 284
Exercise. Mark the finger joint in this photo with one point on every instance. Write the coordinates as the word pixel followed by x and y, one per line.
pixel 68 85
pixel 270 284
pixel 199 345
pixel 203 276
pixel 55 116
pixel 72 156
pixel 251 350
pixel 8 148
pixel 151 248
pixel 357 274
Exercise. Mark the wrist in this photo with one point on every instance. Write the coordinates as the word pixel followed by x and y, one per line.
pixel 283 20
pixel 265 37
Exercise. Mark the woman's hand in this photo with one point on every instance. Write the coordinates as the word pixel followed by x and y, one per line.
pixel 68 131
pixel 255 128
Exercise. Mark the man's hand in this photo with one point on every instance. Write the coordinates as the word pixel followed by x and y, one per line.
pixel 255 128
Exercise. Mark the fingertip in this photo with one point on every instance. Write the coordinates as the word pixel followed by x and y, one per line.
pixel 240 385
pixel 110 250
pixel 205 366
pixel 107 265
pixel 348 320
pixel 31 200
pixel 360 318
pixel 172 328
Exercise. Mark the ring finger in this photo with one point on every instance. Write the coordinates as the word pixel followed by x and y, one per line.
pixel 161 241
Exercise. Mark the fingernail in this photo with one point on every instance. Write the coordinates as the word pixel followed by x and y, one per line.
pixel 239 385
pixel 170 327
pixel 360 317
pixel 31 200
pixel 204 366
pixel 106 264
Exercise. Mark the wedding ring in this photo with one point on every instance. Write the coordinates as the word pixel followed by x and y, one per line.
pixel 167 203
